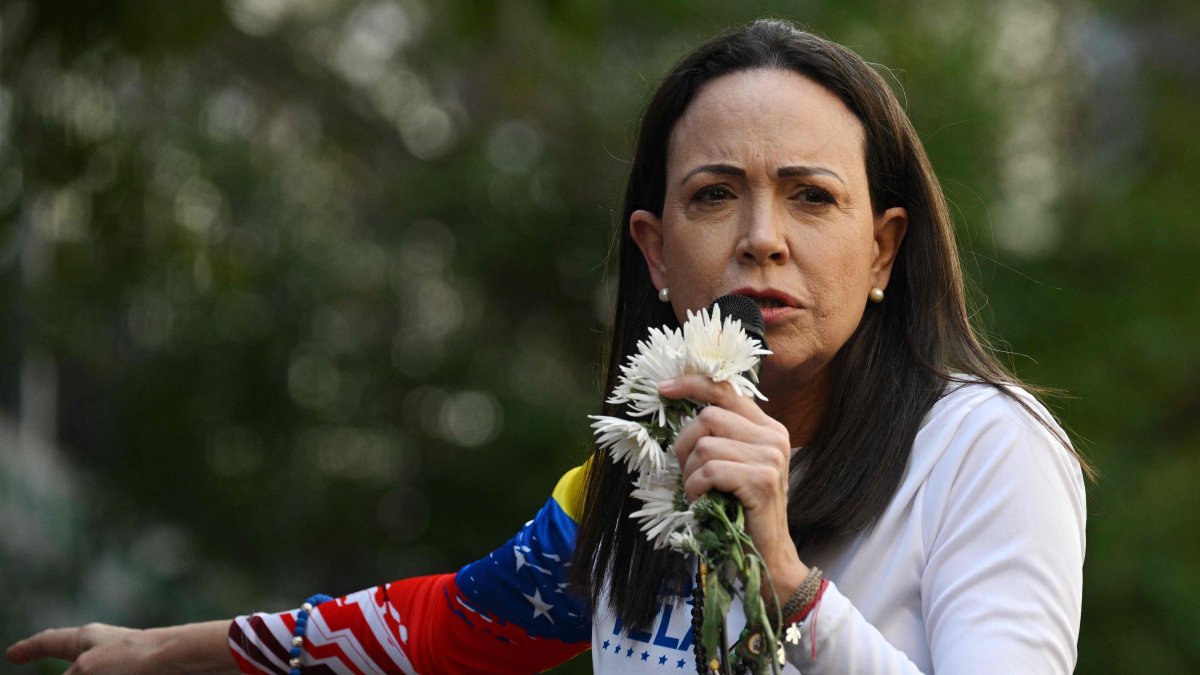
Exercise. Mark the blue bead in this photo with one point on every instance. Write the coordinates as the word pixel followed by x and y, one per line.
pixel 302 626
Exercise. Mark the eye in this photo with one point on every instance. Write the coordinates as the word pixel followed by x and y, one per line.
pixel 713 193
pixel 814 195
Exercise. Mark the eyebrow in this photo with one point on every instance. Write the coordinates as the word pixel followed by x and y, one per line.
pixel 782 172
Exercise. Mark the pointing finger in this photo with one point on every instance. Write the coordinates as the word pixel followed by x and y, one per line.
pixel 59 643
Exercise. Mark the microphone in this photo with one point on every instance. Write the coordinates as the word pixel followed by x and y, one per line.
pixel 745 310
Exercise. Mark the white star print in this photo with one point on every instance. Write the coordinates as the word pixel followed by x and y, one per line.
pixel 540 607
pixel 521 561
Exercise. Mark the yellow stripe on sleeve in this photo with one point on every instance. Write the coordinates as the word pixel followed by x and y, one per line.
pixel 569 491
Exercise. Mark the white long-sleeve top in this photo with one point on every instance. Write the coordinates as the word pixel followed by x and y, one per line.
pixel 976 565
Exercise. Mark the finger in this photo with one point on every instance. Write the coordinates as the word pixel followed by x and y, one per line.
pixel 715 422
pixel 102 662
pixel 58 643
pixel 86 663
pixel 714 448
pixel 753 484
pixel 704 391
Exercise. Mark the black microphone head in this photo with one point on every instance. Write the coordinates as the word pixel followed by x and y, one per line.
pixel 745 310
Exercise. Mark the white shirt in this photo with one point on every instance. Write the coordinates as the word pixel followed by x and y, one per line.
pixel 976 565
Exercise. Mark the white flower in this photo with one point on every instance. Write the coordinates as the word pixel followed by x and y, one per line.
pixel 722 350
pixel 665 518
pixel 683 541
pixel 780 655
pixel 629 442
pixel 792 634
pixel 659 357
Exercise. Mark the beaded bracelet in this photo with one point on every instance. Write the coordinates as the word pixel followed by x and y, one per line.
pixel 301 629
pixel 797 606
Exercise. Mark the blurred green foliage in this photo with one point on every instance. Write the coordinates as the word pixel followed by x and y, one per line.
pixel 308 295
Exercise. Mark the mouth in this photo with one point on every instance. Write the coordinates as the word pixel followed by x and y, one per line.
pixel 770 301
pixel 775 305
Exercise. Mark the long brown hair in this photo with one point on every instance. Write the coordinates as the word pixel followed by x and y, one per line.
pixel 884 379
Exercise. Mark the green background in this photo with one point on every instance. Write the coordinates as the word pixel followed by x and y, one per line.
pixel 306 296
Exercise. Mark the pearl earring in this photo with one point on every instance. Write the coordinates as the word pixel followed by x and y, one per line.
pixel 664 295
pixel 876 295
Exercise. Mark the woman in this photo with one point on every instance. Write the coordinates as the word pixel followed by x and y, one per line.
pixel 942 502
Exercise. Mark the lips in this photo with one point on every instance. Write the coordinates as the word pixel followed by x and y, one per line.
pixel 769 298
pixel 774 304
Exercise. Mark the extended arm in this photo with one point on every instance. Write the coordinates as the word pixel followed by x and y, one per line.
pixel 195 648
pixel 510 612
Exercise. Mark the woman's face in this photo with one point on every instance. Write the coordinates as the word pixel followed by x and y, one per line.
pixel 767 196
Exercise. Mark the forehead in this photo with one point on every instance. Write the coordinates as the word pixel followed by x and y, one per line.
pixel 771 116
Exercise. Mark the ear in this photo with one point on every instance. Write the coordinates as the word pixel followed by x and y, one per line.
pixel 647 232
pixel 890 227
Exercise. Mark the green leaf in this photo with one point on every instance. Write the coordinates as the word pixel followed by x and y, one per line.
pixel 716 605
pixel 755 611
pixel 708 540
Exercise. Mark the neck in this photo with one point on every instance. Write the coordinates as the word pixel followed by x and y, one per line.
pixel 799 407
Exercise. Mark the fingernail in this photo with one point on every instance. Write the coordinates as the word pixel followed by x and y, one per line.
pixel 666 384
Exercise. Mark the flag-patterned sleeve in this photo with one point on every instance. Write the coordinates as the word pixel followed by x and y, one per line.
pixel 510 612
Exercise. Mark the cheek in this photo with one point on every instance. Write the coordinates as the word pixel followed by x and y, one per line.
pixel 694 269
pixel 854 255
pixel 840 287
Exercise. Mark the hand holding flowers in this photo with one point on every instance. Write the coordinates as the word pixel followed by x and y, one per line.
pixel 710 470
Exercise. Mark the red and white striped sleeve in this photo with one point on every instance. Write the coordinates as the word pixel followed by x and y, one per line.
pixel 510 612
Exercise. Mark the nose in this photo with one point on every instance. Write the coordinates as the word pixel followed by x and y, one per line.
pixel 763 239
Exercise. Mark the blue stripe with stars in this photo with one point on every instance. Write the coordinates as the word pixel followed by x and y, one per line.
pixel 524 582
